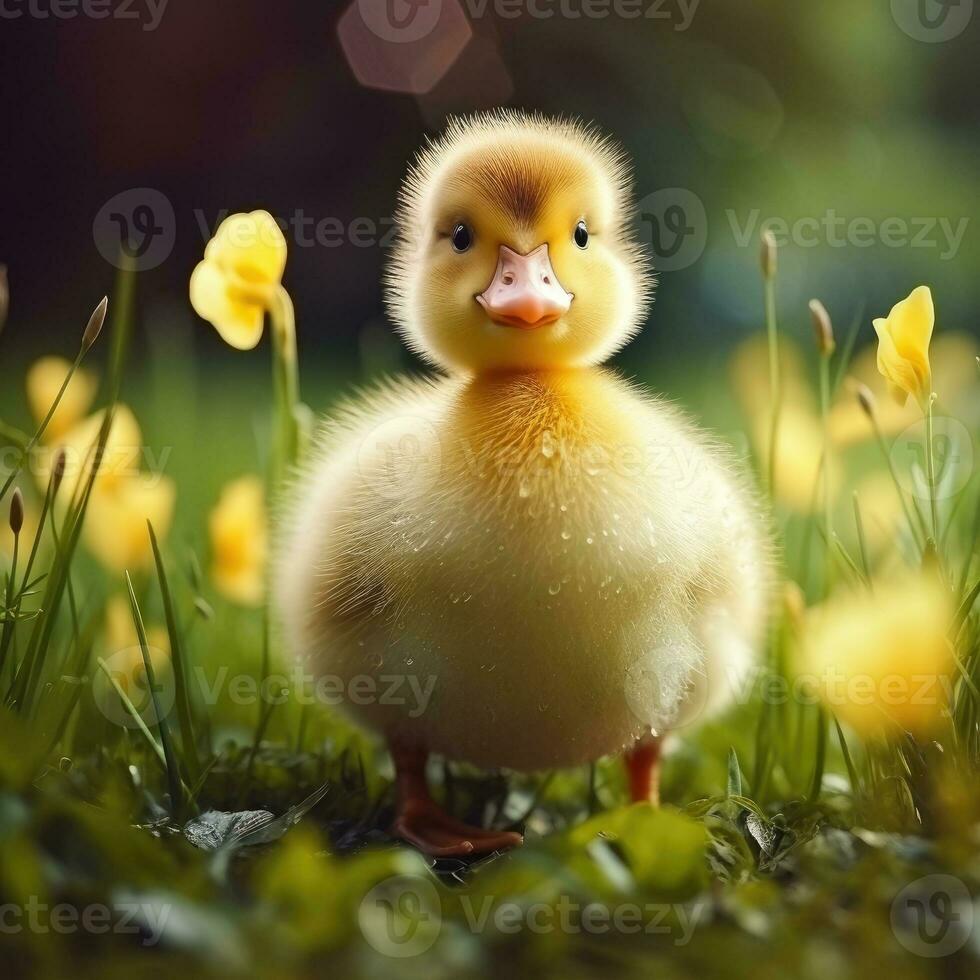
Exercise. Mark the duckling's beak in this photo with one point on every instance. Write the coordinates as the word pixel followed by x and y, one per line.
pixel 525 292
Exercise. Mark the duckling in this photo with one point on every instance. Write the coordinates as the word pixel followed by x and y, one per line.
pixel 563 561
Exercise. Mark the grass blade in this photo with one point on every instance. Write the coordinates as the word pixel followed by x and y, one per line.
pixel 187 739
pixel 173 773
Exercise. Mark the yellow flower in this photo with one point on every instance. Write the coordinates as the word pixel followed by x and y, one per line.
pixel 120 459
pixel 903 346
pixel 881 510
pixel 238 541
pixel 883 659
pixel 954 373
pixel 799 449
pixel 799 438
pixel 43 381
pixel 115 524
pixel 235 284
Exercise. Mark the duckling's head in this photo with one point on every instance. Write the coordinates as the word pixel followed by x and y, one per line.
pixel 515 248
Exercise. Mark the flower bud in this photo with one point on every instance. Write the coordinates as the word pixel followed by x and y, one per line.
pixel 16 511
pixel 822 327
pixel 94 325
pixel 767 255
pixel 58 469
pixel 866 399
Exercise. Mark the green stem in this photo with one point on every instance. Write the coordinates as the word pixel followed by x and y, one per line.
pixel 915 526
pixel 286 386
pixel 862 541
pixel 774 386
pixel 931 472
pixel 827 489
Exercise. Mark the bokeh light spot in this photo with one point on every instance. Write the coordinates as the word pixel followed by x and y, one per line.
pixel 402 45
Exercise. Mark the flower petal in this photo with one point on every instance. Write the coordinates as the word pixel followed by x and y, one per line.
pixel 115 523
pixel 250 245
pixel 911 322
pixel 44 380
pixel 240 324
pixel 238 533
pixel 896 370
pixel 120 456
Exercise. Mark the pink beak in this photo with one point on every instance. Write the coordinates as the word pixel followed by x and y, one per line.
pixel 525 292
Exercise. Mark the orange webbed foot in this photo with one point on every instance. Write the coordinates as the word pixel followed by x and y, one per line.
pixel 425 825
pixel 421 822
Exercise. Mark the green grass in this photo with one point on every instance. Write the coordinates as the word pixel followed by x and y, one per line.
pixel 781 850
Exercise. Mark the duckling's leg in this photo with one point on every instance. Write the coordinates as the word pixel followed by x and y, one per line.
pixel 643 768
pixel 424 824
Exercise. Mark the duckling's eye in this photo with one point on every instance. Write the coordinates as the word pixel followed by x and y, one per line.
pixel 462 238
pixel 581 235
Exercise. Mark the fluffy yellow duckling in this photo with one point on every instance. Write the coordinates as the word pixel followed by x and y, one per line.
pixel 558 565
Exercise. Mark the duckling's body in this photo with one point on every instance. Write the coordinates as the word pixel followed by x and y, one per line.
pixel 564 557
pixel 525 561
